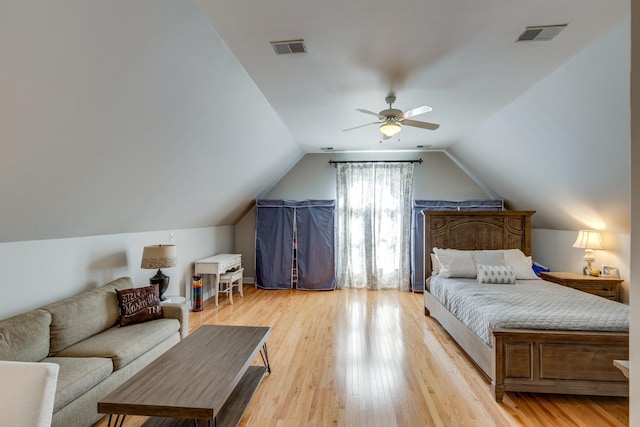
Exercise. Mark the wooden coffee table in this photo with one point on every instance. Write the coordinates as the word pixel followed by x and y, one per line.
pixel 206 376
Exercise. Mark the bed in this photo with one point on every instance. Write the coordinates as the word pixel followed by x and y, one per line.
pixel 522 359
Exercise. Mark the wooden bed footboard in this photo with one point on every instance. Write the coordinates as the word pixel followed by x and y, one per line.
pixel 559 362
pixel 542 361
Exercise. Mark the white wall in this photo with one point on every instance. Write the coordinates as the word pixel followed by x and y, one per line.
pixel 437 178
pixel 634 402
pixel 245 243
pixel 35 273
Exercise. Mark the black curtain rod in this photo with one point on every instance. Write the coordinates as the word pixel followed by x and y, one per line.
pixel 335 162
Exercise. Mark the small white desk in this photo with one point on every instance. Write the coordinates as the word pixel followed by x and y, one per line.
pixel 217 265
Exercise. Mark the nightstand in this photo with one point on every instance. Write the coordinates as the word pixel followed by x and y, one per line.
pixel 605 287
pixel 175 299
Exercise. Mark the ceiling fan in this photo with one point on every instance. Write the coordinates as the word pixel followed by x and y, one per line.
pixel 392 118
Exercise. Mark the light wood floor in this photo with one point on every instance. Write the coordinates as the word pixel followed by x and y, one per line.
pixel 371 358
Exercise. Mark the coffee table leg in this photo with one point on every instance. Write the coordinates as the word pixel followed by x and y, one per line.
pixel 265 357
pixel 115 422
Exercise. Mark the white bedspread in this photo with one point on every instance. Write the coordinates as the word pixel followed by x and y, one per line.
pixel 529 304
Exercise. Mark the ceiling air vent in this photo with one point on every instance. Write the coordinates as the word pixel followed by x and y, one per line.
pixel 542 32
pixel 288 46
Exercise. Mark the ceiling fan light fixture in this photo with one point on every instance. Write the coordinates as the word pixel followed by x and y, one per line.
pixel 390 128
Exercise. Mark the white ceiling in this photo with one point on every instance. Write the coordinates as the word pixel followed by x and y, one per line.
pixel 457 56
pixel 120 116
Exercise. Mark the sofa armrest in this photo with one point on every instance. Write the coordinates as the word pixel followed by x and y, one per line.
pixel 28 392
pixel 178 311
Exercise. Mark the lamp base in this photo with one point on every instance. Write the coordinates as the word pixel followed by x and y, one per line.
pixel 589 258
pixel 162 280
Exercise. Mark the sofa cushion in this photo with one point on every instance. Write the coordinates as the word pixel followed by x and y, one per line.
pixel 84 315
pixel 78 375
pixel 25 337
pixel 124 344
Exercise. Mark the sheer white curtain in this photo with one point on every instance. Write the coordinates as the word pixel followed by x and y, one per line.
pixel 374 225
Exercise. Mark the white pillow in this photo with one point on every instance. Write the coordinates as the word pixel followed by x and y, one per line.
pixel 495 274
pixel 520 263
pixel 435 265
pixel 455 263
pixel 488 257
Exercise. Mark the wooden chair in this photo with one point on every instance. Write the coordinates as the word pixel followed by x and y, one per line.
pixel 229 280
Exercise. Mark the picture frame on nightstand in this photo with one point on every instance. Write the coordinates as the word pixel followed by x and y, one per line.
pixel 608 271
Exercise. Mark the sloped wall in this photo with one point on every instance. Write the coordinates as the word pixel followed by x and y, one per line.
pixel 562 148
pixel 120 117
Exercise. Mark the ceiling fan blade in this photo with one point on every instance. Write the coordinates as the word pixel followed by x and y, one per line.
pixel 371 112
pixel 361 126
pixel 423 125
pixel 416 111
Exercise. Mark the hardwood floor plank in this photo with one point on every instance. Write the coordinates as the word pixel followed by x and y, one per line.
pixel 371 358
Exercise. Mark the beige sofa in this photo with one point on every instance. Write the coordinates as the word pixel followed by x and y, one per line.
pixel 81 335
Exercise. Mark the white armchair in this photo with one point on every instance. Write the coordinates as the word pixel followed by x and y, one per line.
pixel 27 393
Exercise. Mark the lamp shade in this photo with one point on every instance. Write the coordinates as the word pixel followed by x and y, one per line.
pixel 588 239
pixel 390 128
pixel 159 256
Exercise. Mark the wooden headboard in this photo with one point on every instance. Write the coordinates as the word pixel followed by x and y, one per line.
pixel 476 230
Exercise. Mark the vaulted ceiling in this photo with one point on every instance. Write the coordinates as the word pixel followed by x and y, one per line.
pixel 458 57
pixel 127 116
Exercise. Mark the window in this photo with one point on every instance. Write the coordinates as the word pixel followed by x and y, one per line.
pixel 373 223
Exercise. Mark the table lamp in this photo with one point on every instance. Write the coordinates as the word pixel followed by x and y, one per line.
pixel 588 240
pixel 159 256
